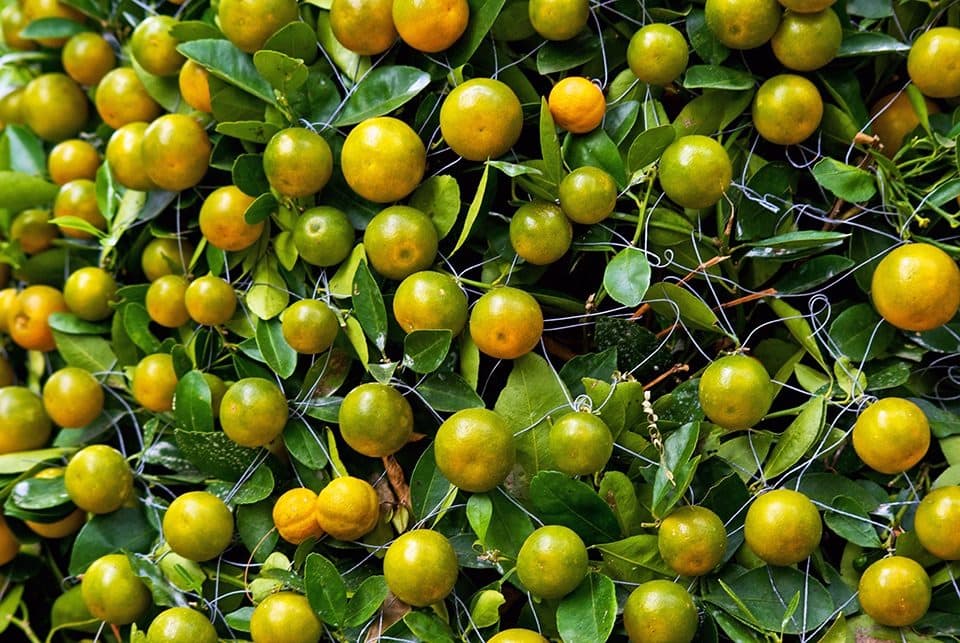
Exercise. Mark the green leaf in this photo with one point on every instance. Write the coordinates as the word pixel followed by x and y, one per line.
pixel 249 176
pixel 124 529
pixel 595 149
pixel 429 489
pixel 52 28
pixel 560 56
pixel 136 322
pixel 276 352
pixel 618 491
pixel 192 403
pixel 70 324
pixel 368 306
pixel 589 366
pixel 24 151
pixel 223 60
pixel 89 352
pixel 870 8
pixel 326 590
pixel 711 112
pixel 859 333
pixel 428 628
pixel 483 13
pixel 485 607
pixel 716 77
pixel 499 524
pixel 439 198
pixel 813 272
pixel 19 191
pixel 648 146
pixel 296 39
pixel 799 327
pixel 21 461
pixel 846 518
pixel 268 295
pixel 676 304
pixel 261 208
pixel 213 453
pixel 448 392
pixel 869 43
pixel 847 182
pixel 252 131
pixel 10 604
pixel 187 30
pixel 352 65
pixel 303 445
pixel 550 145
pixel 473 211
pixel 703 40
pixel 798 438
pixel 381 91
pixel 627 276
pixel 163 592
pixel 677 466
pixel 425 350
pixel 284 73
pixel 256 529
pixel 634 560
pixel 366 600
pixel 39 493
pixel 317 101
pixel 590 611
pixel 560 500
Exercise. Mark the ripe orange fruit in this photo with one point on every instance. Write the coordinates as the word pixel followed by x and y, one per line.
pixel 9 545
pixel 323 236
pixel 194 83
pixel 32 230
pixel 253 412
pixel 124 155
pixel 657 54
pixel 580 443
pixel 89 291
pixel 364 27
pixel 375 419
pixel 121 98
pixel 735 392
pixel 72 159
pixel 481 118
pixel 430 25
pixel 72 397
pixel 113 592
pixel 87 57
pixel 222 219
pixel 506 323
pixel 293 515
pixel 782 527
pixel 347 508
pixel 176 152
pixel 198 526
pixel 577 105
pixel 540 233
pixel 383 159
pixel 25 423
pixel 893 117
pixel 209 300
pixel 430 300
pixel 552 561
pixel 558 19
pixel 421 567
pixel 28 317
pixel 180 625
pixel 249 23
pixel 38 9
pixel 660 611
pixel 937 514
pixel 916 287
pixel 309 326
pixel 692 540
pixel 165 256
pixel 165 301
pixel 285 617
pixel 932 62
pixel 517 635
pixel 588 195
pixel 474 449
pixel 742 24
pixel 54 107
pixel 807 41
pixel 787 109
pixel 154 382
pixel 891 435
pixel 400 241
pixel 895 591
pixel 695 171
pixel 12 21
pixel 298 162
pixel 155 48
pixel 98 479
pixel 78 198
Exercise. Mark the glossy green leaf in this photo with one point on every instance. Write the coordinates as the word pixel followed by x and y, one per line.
pixel 869 43
pixel 223 60
pixel 278 355
pixel 52 28
pixel 847 182
pixel 473 211
pixel 192 403
pixel 284 73
pixel 499 524
pixel 627 277
pixel 550 145
pixel 124 529
pixel 449 392
pixel 648 146
pixel 716 77
pixel 846 518
pixel 439 198
pixel 483 13
pixel 860 333
pixel 595 149
pixel 425 350
pixel 369 307
pixel 381 91
pixel 326 590
pixel 268 295
pixel 590 611
pixel 253 131
pixel 798 438
pixel 19 191
pixel 677 304
pixel 559 500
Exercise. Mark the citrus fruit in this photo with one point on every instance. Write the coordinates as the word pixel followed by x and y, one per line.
pixel 72 159
pixel 807 41
pixel 558 19
pixel 294 515
pixel 98 479
pixel 787 109
pixel 33 231
pixel 742 24
pixel 249 23
pixel 893 117
pixel 806 6
pixel 364 27
pixel 72 397
pixel 309 326
pixel 54 107
pixel 198 526
pixel 420 567
pixel 580 443
pixel 347 508
pixel 735 391
pixel 383 159
pixel 165 301
pixel 891 435
pixel 517 635
pixel 429 300
pixel 210 300
pixel 695 171
pixel 154 47
pixel 933 62
pixel 125 158
pixel 194 83
pixel 540 233
pixel 113 592
pixel 323 236
pixel 588 195
pixel 89 291
pixel 782 527
pixel 28 317
pixel 375 419
pixel 660 611
pixel 430 25
pixel 253 412
pixel 481 118
pixel 121 98
pixel 692 540
pixel 577 105
pixel 154 382
pixel 39 9
pixel 506 322
pixel 12 21
pixel 916 287
pixel 181 625
pixel 936 515
pixel 87 57
pixel 552 561
pixel 285 617
pixel 222 219
pixel 9 545
pixel 895 591
pixel 474 449
pixel 298 162
pixel 7 296
pixel 176 152
pixel 657 54
pixel 400 241
pixel 78 198
pixel 63 527
pixel 24 424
